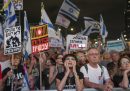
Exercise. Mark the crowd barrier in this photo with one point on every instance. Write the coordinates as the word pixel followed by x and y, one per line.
pixel 91 89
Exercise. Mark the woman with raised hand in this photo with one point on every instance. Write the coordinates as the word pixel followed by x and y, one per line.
pixel 70 78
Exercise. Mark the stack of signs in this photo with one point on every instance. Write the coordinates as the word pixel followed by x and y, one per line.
pixel 117 45
pixel 12 40
pixel 77 42
pixel 39 38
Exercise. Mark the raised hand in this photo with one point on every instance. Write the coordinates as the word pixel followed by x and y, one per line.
pixel 67 67
pixel 74 67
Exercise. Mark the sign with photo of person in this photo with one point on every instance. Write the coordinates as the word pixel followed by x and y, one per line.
pixel 39 38
pixel 12 40
pixel 77 42
pixel 18 4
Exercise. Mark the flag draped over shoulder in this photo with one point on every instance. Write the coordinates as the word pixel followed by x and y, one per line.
pixel 103 31
pixel 69 9
pixel 27 49
pixel 91 26
pixel 11 18
pixel 45 20
pixel 62 21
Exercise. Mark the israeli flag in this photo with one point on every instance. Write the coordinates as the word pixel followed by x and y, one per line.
pixel 45 20
pixel 91 26
pixel 27 48
pixel 103 31
pixel 11 18
pixel 69 9
pixel 1 34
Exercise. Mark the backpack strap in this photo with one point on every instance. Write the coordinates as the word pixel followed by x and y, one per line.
pixel 102 70
pixel 86 67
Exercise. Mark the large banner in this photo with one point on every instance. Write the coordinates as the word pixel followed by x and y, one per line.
pixel 115 45
pixel 12 40
pixel 39 38
pixel 18 4
pixel 76 42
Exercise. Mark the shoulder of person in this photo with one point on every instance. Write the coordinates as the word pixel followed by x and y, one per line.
pixel 4 72
pixel 60 75
pixel 80 74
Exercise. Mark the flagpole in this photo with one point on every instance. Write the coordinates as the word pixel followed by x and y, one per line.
pixel 40 62
pixel 19 17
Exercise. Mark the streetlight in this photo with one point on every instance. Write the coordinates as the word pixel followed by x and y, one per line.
pixel 59 29
pixel 124 35
pixel 72 29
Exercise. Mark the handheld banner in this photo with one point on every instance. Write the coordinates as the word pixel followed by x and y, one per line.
pixel 76 42
pixel 12 40
pixel 115 45
pixel 39 38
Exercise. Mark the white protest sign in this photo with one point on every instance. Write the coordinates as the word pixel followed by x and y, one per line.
pixel 53 42
pixel 12 40
pixel 115 45
pixel 77 42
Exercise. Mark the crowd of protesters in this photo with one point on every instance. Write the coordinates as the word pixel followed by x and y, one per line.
pixel 56 70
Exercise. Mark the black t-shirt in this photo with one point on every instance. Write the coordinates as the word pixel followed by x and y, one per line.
pixel 70 83
pixel 117 80
pixel 18 76
pixel 45 78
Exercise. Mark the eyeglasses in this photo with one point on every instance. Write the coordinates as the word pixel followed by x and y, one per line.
pixel 92 54
pixel 125 62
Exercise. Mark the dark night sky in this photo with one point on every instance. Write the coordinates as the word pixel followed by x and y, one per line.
pixel 111 10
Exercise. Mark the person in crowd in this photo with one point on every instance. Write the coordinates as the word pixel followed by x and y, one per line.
pixel 112 69
pixel 4 60
pixel 13 77
pixel 59 63
pixel 34 69
pixel 122 77
pixel 32 85
pixel 115 56
pixel 95 75
pixel 81 58
pixel 106 58
pixel 70 78
pixel 46 72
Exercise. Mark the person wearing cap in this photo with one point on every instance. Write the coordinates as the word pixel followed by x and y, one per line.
pixel 70 78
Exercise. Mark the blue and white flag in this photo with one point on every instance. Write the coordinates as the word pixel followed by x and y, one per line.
pixel 69 9
pixel 11 18
pixel 1 34
pixel 25 86
pixel 91 26
pixel 62 21
pixel 45 20
pixel 103 31
pixel 27 48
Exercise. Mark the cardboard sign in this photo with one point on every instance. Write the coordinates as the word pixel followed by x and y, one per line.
pixel 115 45
pixel 39 38
pixel 76 42
pixel 12 40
